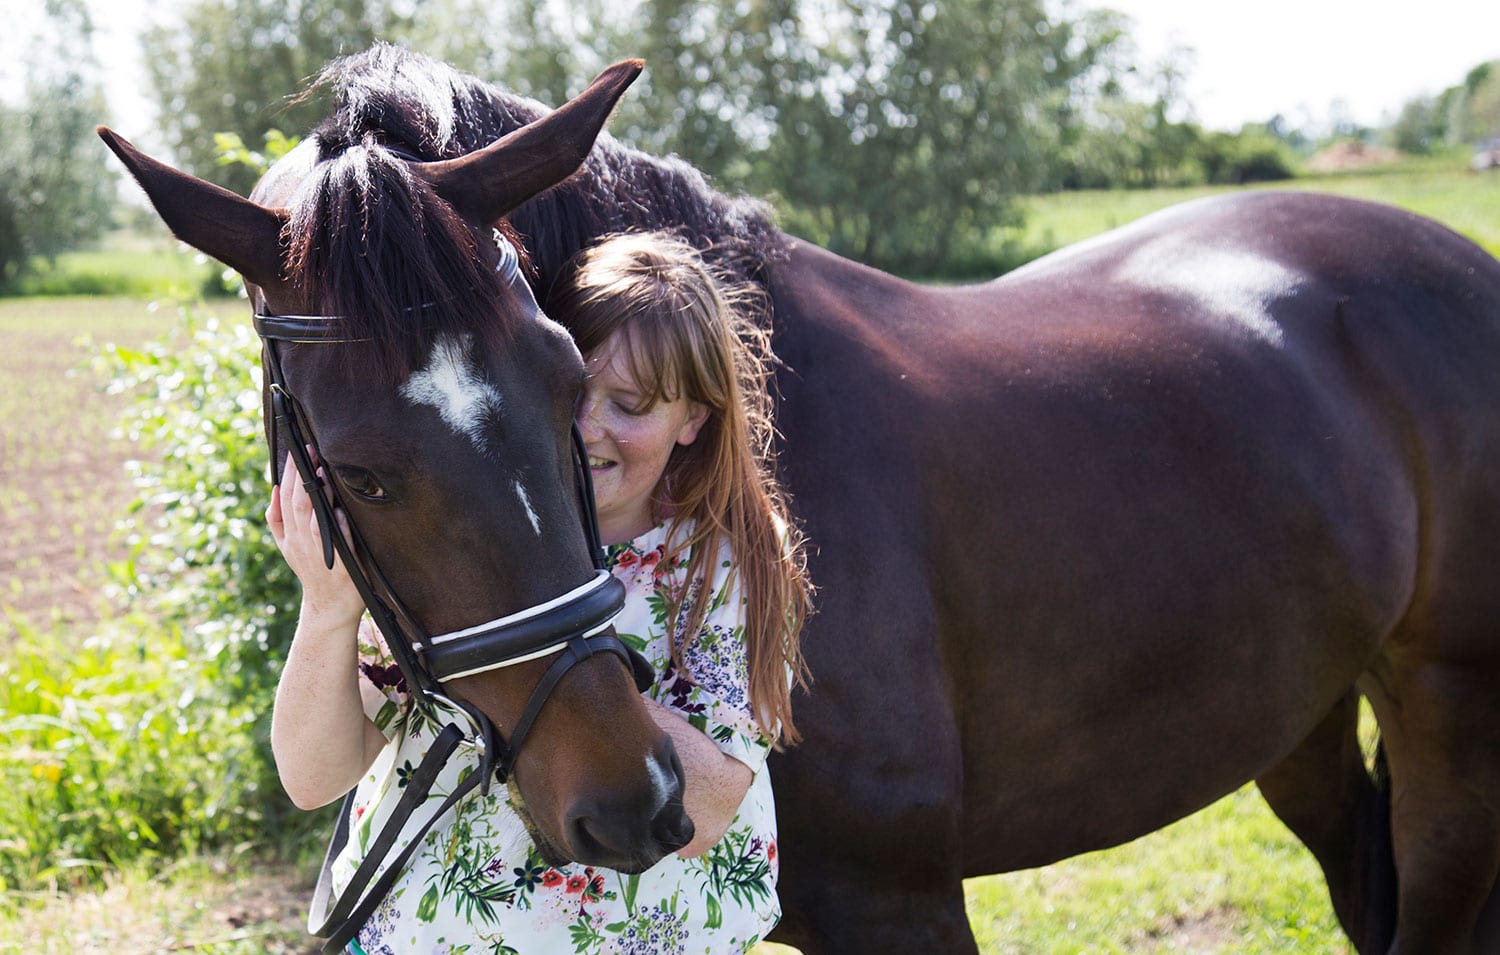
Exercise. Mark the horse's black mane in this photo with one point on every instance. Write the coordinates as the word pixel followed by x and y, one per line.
pixel 428 109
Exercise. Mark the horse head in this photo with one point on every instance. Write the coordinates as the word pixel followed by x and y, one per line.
pixel 442 413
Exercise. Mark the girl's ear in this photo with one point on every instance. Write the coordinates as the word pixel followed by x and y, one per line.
pixel 697 414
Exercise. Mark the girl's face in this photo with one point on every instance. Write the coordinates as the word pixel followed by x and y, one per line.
pixel 628 446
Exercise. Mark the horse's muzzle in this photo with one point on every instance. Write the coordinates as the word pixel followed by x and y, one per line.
pixel 633 834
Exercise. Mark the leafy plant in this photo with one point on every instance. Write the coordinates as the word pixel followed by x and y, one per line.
pixel 117 750
pixel 152 739
pixel 233 151
pixel 201 555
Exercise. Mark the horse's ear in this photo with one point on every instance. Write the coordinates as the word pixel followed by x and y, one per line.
pixel 490 182
pixel 242 234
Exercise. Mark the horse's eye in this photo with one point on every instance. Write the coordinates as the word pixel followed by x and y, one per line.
pixel 362 483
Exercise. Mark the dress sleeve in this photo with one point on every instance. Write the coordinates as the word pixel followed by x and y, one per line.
pixel 377 668
pixel 714 692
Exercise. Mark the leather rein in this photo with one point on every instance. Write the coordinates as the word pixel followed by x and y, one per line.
pixel 575 625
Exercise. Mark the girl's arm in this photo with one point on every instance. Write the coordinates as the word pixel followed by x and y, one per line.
pixel 716 783
pixel 320 736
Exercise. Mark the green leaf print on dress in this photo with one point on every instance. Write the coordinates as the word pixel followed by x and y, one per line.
pixel 472 879
pixel 739 866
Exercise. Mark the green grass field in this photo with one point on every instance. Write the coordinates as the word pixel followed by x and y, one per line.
pixel 1228 879
pixel 1443 189
pixel 148 264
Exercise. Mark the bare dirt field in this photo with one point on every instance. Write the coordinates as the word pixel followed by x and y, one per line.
pixel 63 478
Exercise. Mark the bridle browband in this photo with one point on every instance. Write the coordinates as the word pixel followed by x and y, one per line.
pixel 574 625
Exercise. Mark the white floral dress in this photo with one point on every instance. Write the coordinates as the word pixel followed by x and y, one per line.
pixel 478 884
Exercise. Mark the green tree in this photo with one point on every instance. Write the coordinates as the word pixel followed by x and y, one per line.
pixel 1253 154
pixel 896 132
pixel 231 66
pixel 549 51
pixel 1461 115
pixel 1483 101
pixel 1420 126
pixel 57 191
pixel 944 112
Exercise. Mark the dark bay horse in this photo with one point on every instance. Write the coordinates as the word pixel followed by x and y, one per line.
pixel 1102 540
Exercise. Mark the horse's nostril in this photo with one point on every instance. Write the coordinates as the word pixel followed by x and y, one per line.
pixel 672 828
pixel 586 843
pixel 599 838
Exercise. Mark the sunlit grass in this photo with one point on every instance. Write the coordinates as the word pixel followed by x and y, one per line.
pixel 1444 190
pixel 146 264
pixel 231 904
pixel 1229 879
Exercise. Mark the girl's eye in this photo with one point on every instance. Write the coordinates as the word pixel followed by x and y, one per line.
pixel 633 409
pixel 361 483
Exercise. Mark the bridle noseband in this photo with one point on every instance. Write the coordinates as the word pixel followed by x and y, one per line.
pixel 577 622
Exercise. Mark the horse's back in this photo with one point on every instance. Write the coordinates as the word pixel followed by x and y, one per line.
pixel 1147 507
pixel 1384 325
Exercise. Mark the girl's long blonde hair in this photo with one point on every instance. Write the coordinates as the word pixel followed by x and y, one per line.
pixel 694 333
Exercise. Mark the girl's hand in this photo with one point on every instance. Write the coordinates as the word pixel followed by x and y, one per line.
pixel 328 595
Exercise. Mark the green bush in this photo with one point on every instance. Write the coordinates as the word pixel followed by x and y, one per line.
pixel 116 751
pixel 200 552
pixel 153 739
pixel 1250 155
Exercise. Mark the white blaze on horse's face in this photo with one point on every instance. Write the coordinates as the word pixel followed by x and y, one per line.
pixel 454 386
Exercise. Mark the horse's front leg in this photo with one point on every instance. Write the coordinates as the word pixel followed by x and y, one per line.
pixel 839 916
pixel 870 806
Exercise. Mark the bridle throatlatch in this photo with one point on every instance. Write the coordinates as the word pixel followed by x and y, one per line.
pixel 574 626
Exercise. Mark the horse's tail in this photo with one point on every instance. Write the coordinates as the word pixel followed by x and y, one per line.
pixel 1374 884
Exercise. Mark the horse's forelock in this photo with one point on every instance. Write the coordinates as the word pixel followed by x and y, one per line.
pixel 371 243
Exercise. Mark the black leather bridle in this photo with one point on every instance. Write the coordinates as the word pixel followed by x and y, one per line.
pixel 574 625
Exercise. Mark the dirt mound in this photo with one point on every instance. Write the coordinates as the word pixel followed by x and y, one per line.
pixel 1352 155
